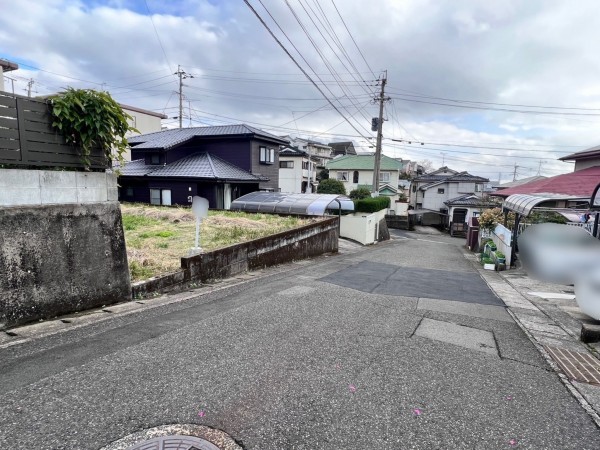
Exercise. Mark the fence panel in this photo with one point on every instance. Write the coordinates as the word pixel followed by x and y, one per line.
pixel 28 139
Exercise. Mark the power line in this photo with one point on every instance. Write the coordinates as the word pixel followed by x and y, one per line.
pixel 416 94
pixel 298 65
pixel 157 36
pixel 353 40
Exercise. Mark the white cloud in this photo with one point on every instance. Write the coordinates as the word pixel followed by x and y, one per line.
pixel 540 52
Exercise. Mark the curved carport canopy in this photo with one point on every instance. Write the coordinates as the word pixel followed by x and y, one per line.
pixel 523 204
pixel 282 203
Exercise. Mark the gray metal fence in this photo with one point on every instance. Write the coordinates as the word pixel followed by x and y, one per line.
pixel 27 137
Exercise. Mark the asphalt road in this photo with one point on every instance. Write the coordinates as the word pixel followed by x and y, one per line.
pixel 308 359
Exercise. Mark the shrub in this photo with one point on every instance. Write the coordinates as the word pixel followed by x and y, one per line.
pixel 357 194
pixel 331 186
pixel 88 119
pixel 492 217
pixel 370 205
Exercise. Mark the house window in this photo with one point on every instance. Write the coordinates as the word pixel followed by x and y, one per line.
pixel 441 190
pixel 384 177
pixel 155 159
pixel 129 192
pixel 355 177
pixel 267 155
pixel 305 165
pixel 286 164
pixel 478 188
pixel 160 196
pixel 342 176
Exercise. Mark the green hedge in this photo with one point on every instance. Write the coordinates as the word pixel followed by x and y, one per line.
pixel 370 205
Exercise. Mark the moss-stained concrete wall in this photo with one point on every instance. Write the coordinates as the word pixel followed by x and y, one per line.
pixel 58 259
pixel 300 243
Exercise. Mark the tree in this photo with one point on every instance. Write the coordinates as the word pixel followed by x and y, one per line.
pixel 331 186
pixel 323 174
pixel 427 165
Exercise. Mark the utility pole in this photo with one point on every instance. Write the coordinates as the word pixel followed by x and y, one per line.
pixel 515 173
pixel 29 86
pixel 381 99
pixel 182 75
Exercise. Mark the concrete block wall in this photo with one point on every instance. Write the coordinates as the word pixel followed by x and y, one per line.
pixel 20 187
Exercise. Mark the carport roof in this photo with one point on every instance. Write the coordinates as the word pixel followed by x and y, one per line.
pixel 279 202
pixel 523 203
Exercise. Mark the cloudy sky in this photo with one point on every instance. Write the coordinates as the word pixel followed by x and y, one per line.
pixel 482 85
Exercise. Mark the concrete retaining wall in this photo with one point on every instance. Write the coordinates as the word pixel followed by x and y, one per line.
pixel 19 187
pixel 300 243
pixel 305 242
pixel 58 259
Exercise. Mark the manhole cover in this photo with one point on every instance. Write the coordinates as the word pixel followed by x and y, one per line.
pixel 578 366
pixel 176 437
pixel 175 443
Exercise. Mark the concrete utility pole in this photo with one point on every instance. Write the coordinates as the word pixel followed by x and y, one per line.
pixel 182 75
pixel 29 86
pixel 381 99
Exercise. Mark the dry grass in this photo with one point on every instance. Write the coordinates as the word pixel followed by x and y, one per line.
pixel 157 237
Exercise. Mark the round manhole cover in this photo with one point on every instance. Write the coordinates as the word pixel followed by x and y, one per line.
pixel 176 437
pixel 175 443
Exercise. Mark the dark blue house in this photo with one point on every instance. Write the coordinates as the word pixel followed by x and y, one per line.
pixel 219 163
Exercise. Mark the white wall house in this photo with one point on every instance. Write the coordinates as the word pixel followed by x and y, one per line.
pixel 321 152
pixel 357 171
pixel 584 159
pixel 295 169
pixel 430 191
pixel 144 121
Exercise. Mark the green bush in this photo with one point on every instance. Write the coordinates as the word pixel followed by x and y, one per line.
pixel 331 186
pixel 360 193
pixel 370 205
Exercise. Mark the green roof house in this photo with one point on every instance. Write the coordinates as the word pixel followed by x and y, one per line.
pixel 357 171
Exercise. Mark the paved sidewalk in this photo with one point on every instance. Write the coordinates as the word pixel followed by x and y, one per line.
pixel 288 359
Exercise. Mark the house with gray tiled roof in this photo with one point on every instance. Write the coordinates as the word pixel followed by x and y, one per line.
pixel 463 207
pixel 429 192
pixel 219 163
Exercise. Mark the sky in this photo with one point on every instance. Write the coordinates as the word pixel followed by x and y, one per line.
pixel 477 86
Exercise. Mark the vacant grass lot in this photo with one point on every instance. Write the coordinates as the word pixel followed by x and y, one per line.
pixel 157 237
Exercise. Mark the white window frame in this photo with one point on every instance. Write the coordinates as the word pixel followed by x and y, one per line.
pixel 342 176
pixel 155 196
pixel 266 155
pixel 384 177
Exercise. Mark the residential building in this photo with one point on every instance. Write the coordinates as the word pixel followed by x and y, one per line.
pixel 342 148
pixel 584 159
pixel 6 66
pixel 315 149
pixel 357 171
pixel 295 169
pixel 219 163
pixel 574 185
pixel 510 184
pixel 144 121
pixel 431 190
pixel 462 208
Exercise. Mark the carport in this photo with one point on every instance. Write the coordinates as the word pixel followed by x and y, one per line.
pixel 282 203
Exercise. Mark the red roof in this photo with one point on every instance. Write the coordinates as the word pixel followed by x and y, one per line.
pixel 580 184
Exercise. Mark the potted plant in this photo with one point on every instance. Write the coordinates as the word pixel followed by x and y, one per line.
pixel 488 264
pixel 500 257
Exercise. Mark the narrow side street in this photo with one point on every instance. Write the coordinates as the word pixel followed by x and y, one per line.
pixel 394 346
